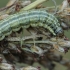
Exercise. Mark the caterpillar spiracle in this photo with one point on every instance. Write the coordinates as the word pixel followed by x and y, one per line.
pixel 32 18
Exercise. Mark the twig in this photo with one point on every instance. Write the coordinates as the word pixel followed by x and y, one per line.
pixel 18 5
pixel 52 41
pixel 61 43
pixel 10 7
pixel 46 41
pixel 23 38
pixel 55 6
pixel 10 4
pixel 33 5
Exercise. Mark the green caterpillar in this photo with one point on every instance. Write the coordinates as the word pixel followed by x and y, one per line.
pixel 34 18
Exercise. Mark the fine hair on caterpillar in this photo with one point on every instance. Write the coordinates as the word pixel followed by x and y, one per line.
pixel 33 18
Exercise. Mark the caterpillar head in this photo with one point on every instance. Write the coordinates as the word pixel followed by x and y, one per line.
pixel 59 32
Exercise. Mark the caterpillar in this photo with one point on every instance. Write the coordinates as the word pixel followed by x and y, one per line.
pixel 32 18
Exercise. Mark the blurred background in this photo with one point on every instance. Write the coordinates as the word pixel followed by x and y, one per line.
pixel 67 33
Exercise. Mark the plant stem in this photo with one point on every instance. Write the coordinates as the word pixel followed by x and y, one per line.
pixel 47 42
pixel 33 5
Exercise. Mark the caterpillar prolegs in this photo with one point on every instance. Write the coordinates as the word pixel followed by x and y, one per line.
pixel 34 18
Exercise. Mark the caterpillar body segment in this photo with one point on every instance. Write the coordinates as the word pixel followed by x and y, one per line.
pixel 34 18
